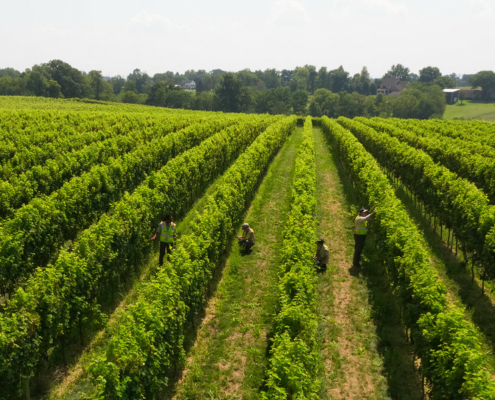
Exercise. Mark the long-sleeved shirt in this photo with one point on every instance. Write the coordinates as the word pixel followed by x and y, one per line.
pixel 322 254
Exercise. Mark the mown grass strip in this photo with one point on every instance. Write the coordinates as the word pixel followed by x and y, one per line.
pixel 295 363
pixel 229 357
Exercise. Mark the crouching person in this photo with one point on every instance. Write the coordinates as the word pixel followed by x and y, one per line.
pixel 322 256
pixel 247 240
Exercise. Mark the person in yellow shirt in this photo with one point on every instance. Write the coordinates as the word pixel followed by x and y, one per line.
pixel 247 240
pixel 322 256
pixel 168 235
pixel 360 232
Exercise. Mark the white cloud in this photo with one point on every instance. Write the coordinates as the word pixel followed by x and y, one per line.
pixel 389 6
pixel 352 7
pixel 47 29
pixel 145 21
pixel 288 13
pixel 482 7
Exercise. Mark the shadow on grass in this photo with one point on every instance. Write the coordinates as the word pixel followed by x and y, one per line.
pixel 403 381
pixel 480 306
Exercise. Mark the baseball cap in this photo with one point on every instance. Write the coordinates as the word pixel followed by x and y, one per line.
pixel 363 210
pixel 320 241
pixel 245 225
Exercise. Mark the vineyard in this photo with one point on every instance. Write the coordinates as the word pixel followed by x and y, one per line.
pixel 86 311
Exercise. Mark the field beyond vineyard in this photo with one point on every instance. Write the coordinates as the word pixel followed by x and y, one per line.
pixel 86 312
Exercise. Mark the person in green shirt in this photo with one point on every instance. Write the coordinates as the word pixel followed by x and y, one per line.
pixel 247 240
pixel 168 235
pixel 360 232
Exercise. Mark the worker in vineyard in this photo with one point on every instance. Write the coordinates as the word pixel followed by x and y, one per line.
pixel 247 240
pixel 168 235
pixel 360 232
pixel 322 256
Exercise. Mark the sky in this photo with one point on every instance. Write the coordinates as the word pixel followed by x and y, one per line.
pixel 115 37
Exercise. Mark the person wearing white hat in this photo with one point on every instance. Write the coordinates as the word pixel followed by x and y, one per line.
pixel 247 240
pixel 360 232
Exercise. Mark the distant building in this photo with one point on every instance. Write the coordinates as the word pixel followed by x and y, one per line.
pixel 190 85
pixel 392 86
pixel 451 95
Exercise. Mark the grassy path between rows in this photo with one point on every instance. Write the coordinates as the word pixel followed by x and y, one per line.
pixel 363 344
pixel 229 357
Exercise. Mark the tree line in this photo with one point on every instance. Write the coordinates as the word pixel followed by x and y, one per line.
pixel 303 90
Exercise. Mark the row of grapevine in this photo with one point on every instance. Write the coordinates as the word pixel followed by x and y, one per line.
pixel 67 294
pixel 479 132
pixel 458 156
pixel 457 203
pixel 476 136
pixel 146 339
pixel 466 141
pixel 81 134
pixel 23 103
pixel 44 179
pixel 295 364
pixel 452 360
pixel 37 230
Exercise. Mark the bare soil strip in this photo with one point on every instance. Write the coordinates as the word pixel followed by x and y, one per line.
pixel 363 344
pixel 229 357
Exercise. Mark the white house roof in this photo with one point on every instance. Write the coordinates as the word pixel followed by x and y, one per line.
pixel 451 90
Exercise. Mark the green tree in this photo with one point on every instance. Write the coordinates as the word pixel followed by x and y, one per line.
pixel 485 80
pixel 71 80
pixel 54 89
pixel 331 106
pixel 143 81
pixel 299 101
pixel 300 79
pixel 339 78
pixel 429 74
pixel 97 84
pixel 130 86
pixel 370 108
pixel 158 95
pixel 445 82
pixel 286 76
pixel 312 78
pixel 272 78
pixel 228 94
pixel 322 79
pixel 117 83
pixel 398 71
pixel 314 109
pixel 203 101
pixel 12 86
pixel 37 81
pixel 129 97
pixel 10 72
pixel 420 101
pixel 351 104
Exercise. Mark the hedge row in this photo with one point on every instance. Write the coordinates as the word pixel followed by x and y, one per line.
pixel 451 356
pixel 456 203
pixel 295 362
pixel 146 339
pixel 36 232
pixel 466 159
pixel 67 294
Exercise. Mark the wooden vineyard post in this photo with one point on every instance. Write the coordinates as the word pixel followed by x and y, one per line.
pixel 28 391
